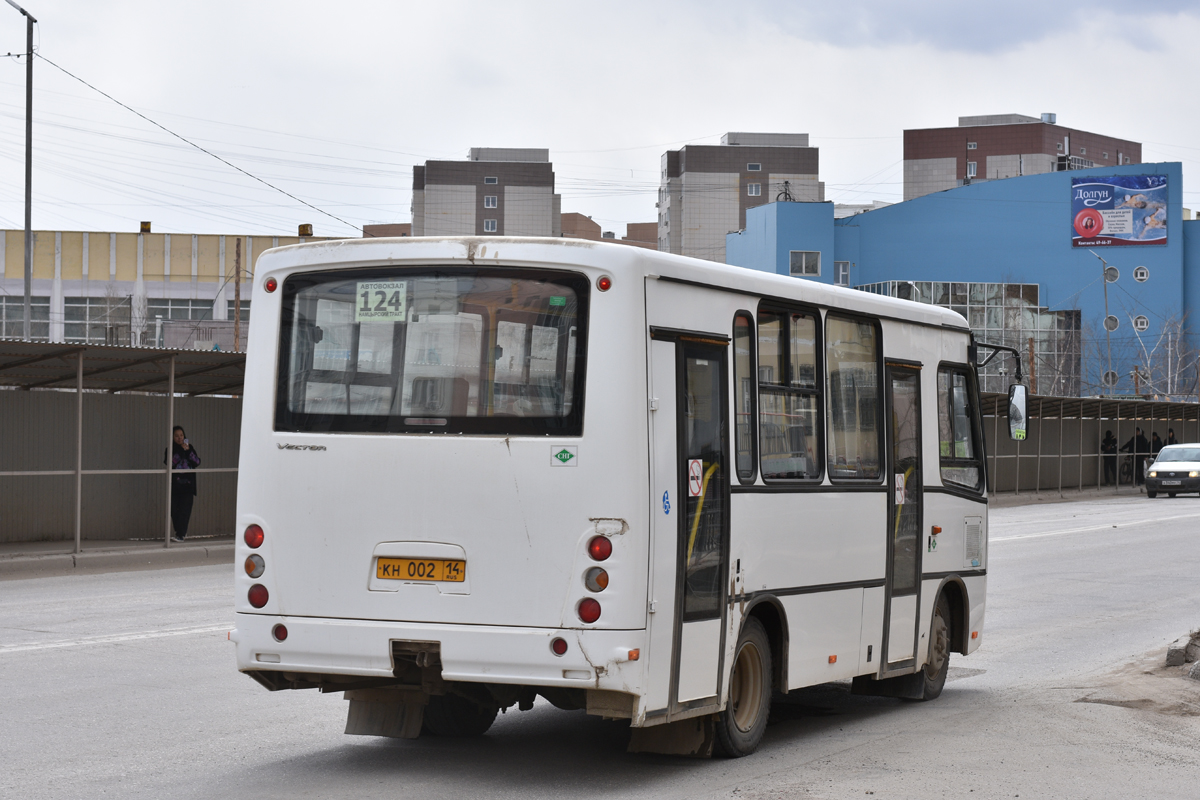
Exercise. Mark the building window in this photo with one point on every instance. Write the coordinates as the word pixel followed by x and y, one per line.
pixel 841 273
pixel 489 226
pixel 805 263
pixel 1083 151
pixel 1126 159
pixel 1105 156
pixel 490 200
pixel 754 189
pixel 1060 147
pixel 98 320
pixel 169 308
pixel 971 169
pixel 972 145
pixel 752 167
pixel 491 180
pixel 12 317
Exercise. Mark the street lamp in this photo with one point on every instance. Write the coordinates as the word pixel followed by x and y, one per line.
pixel 29 23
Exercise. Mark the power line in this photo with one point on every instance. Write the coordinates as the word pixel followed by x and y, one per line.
pixel 198 147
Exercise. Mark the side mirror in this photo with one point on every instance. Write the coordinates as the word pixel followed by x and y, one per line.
pixel 1016 412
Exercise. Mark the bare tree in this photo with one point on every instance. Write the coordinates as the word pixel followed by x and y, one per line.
pixel 1168 367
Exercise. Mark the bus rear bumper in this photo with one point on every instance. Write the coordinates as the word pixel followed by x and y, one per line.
pixel 599 659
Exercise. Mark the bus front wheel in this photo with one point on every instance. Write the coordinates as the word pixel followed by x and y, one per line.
pixel 938 665
pixel 740 727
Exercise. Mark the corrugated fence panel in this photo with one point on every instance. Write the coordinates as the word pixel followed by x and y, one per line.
pixel 37 432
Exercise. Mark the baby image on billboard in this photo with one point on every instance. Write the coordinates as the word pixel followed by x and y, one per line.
pixel 1119 210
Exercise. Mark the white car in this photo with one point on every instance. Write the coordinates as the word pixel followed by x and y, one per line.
pixel 1175 469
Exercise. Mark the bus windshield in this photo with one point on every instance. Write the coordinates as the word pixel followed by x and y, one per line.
pixel 432 350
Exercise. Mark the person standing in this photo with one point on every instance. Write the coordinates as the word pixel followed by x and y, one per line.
pixel 1156 444
pixel 1171 436
pixel 1139 446
pixel 183 486
pixel 1108 447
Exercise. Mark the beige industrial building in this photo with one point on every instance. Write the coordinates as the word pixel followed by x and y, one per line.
pixel 120 288
pixel 706 189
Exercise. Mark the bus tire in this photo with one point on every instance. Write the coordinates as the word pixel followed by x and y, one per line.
pixel 452 715
pixel 937 666
pixel 740 727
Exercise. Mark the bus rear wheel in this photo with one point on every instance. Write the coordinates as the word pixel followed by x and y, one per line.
pixel 938 665
pixel 452 715
pixel 740 727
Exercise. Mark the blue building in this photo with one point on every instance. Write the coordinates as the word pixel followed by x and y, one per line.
pixel 1020 259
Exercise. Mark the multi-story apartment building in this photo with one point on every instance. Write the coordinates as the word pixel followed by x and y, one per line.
pixel 497 191
pixel 706 189
pixel 1003 146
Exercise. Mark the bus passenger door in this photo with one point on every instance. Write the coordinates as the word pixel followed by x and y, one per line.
pixel 904 516
pixel 691 494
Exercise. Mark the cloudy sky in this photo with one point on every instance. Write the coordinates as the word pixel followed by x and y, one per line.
pixel 334 102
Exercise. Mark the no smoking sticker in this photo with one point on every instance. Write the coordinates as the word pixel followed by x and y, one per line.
pixel 695 477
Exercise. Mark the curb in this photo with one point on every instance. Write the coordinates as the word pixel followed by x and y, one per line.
pixel 114 561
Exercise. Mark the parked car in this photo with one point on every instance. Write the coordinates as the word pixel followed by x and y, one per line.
pixel 1175 469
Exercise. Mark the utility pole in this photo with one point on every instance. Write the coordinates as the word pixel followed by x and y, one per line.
pixel 29 23
pixel 237 295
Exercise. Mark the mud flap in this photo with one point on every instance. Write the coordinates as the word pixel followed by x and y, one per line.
pixel 385 712
pixel 687 737
pixel 910 687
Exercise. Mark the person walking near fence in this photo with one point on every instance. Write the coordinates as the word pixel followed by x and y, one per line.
pixel 183 486
pixel 1108 447
pixel 1139 446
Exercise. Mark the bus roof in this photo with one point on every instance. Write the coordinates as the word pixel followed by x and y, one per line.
pixel 616 258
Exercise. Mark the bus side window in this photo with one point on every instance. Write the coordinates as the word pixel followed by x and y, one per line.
pixel 789 397
pixel 958 447
pixel 743 396
pixel 852 366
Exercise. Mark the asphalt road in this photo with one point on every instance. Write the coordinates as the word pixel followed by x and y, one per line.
pixel 123 685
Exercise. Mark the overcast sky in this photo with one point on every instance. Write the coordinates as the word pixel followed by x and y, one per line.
pixel 334 102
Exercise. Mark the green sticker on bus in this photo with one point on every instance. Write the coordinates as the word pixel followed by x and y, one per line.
pixel 558 301
pixel 381 301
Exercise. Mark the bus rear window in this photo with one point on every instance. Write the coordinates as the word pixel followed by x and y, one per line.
pixel 487 351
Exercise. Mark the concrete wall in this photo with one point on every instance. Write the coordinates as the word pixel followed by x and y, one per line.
pixel 449 210
pixel 120 432
pixel 528 211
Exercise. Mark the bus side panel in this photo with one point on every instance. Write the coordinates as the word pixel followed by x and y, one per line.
pixel 825 636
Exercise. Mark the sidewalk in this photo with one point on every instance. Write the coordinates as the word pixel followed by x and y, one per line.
pixel 41 559
pixel 1028 497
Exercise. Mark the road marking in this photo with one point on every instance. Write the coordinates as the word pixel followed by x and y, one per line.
pixel 1108 527
pixel 113 639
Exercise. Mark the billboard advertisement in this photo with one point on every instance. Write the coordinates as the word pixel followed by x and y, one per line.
pixel 1119 210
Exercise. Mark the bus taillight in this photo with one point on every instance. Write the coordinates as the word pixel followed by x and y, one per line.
pixel 258 597
pixel 558 646
pixel 279 632
pixel 599 548
pixel 254 536
pixel 589 610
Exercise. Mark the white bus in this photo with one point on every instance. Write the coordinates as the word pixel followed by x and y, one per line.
pixel 479 470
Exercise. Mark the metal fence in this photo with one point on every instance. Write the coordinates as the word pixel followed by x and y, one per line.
pixel 1062 448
